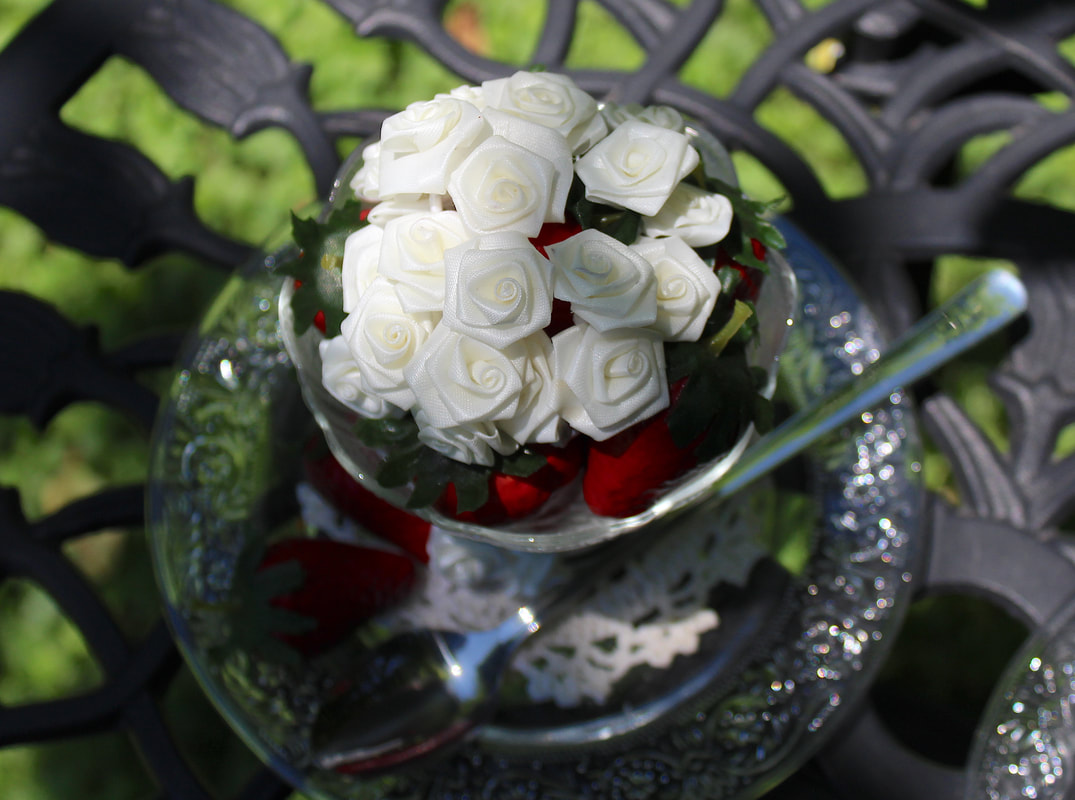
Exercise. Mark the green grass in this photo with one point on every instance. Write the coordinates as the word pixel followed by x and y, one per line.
pixel 245 189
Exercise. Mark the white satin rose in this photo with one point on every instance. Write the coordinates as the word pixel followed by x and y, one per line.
pixel 366 183
pixel 687 288
pixel 538 417
pixel 383 339
pixel 692 214
pixel 611 380
pixel 607 283
pixel 458 380
pixel 361 255
pixel 342 378
pixel 544 142
pixel 662 116
pixel 553 101
pixel 404 204
pixel 422 144
pixel 503 186
pixel 497 288
pixel 471 94
pixel 637 166
pixel 472 443
pixel 412 255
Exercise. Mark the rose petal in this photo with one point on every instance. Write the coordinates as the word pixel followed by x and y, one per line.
pixel 342 379
pixel 497 289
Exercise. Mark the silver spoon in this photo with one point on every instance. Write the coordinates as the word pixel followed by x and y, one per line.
pixel 422 690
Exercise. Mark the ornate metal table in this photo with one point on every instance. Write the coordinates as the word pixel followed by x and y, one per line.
pixel 912 87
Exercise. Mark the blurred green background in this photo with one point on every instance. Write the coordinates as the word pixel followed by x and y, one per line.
pixel 245 189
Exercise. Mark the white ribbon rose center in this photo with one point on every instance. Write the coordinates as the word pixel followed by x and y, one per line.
pixel 606 282
pixel 613 379
pixel 497 289
pixel 502 186
pixel 459 380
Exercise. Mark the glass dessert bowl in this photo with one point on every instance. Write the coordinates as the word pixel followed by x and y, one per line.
pixel 536 329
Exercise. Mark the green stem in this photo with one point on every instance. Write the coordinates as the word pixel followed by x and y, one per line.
pixel 740 314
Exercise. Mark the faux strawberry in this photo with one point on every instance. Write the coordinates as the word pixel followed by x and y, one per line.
pixel 341 587
pixel 562 317
pixel 352 499
pixel 512 497
pixel 625 472
pixel 750 277
pixel 554 232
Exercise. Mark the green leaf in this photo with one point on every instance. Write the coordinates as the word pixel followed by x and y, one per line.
pixel 522 463
pixel 693 412
pixel 281 620
pixel 749 221
pixel 718 401
pixel 307 233
pixel 305 303
pixel 400 467
pixel 430 480
pixel 622 226
pixel 581 208
pixel 471 489
pixel 318 265
pixel 387 431
pixel 276 580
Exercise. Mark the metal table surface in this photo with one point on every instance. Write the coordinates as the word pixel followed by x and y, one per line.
pixel 911 83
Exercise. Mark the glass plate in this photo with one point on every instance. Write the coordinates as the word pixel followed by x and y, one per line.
pixel 1026 736
pixel 730 721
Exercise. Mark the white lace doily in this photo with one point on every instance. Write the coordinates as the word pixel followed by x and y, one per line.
pixel 653 609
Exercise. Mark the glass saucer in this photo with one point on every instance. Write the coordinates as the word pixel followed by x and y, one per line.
pixel 1025 740
pixel 729 721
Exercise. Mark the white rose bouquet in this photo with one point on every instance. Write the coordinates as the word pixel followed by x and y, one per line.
pixel 526 285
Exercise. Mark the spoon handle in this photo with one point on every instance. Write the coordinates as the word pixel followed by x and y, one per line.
pixel 982 308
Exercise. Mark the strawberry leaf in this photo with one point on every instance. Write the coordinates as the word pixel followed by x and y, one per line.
pixel 318 266
pixel 749 221
pixel 387 431
pixel 522 463
pixel 718 401
pixel 275 580
pixel 255 622
pixel 432 474
pixel 471 489
pixel 619 223
pixel 400 467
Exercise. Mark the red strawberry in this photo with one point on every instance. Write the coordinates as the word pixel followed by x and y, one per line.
pixel 625 473
pixel 512 497
pixel 352 499
pixel 751 284
pixel 562 317
pixel 343 585
pixel 553 232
